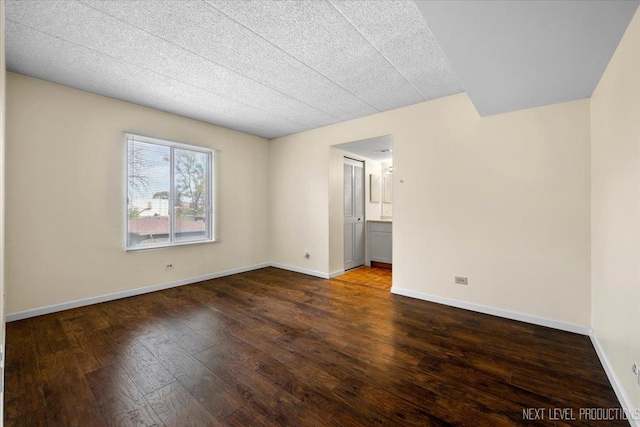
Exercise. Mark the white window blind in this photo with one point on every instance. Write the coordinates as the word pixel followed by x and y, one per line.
pixel 170 193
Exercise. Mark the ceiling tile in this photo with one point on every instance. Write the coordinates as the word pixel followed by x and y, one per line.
pixel 319 35
pixel 98 73
pixel 411 49
pixel 86 26
pixel 205 31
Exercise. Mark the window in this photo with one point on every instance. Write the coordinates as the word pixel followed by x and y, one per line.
pixel 170 189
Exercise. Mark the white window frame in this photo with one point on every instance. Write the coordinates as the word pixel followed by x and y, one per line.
pixel 210 217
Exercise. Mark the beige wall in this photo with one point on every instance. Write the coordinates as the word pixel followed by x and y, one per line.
pixel 65 201
pixel 503 200
pixel 2 190
pixel 615 210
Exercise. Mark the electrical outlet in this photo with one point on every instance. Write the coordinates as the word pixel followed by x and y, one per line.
pixel 168 266
pixel 461 280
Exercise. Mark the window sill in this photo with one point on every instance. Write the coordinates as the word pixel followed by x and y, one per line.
pixel 168 245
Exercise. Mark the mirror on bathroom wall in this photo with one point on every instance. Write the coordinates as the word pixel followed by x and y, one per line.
pixel 387 191
pixel 374 188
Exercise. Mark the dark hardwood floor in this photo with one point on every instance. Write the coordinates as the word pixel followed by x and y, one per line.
pixel 272 347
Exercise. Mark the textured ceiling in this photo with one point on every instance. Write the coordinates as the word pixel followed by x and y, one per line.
pixel 371 148
pixel 263 67
pixel 273 68
pixel 512 55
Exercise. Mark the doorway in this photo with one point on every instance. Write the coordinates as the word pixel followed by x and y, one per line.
pixel 375 160
pixel 354 222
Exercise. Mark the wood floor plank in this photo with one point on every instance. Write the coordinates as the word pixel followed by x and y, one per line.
pixel 69 399
pixel 35 417
pixel 248 416
pixel 238 369
pixel 376 400
pixel 227 308
pixel 81 343
pixel 48 335
pixel 108 344
pixel 176 407
pixel 217 396
pixel 26 404
pixel 273 347
pixel 144 369
pixel 313 395
pixel 272 405
pixel 162 309
pixel 120 401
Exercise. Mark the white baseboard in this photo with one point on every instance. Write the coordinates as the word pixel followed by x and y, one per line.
pixel 301 270
pixel 124 294
pixel 336 274
pixel 513 315
pixel 622 396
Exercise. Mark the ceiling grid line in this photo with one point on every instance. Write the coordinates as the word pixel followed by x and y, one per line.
pixel 215 63
pixel 424 98
pixel 153 71
pixel 292 56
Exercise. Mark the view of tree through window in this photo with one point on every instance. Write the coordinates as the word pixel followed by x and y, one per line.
pixel 169 193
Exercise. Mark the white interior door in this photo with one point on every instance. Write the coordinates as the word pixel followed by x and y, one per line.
pixel 353 213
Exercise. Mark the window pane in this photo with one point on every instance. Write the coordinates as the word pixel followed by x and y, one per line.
pixel 191 195
pixel 149 176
